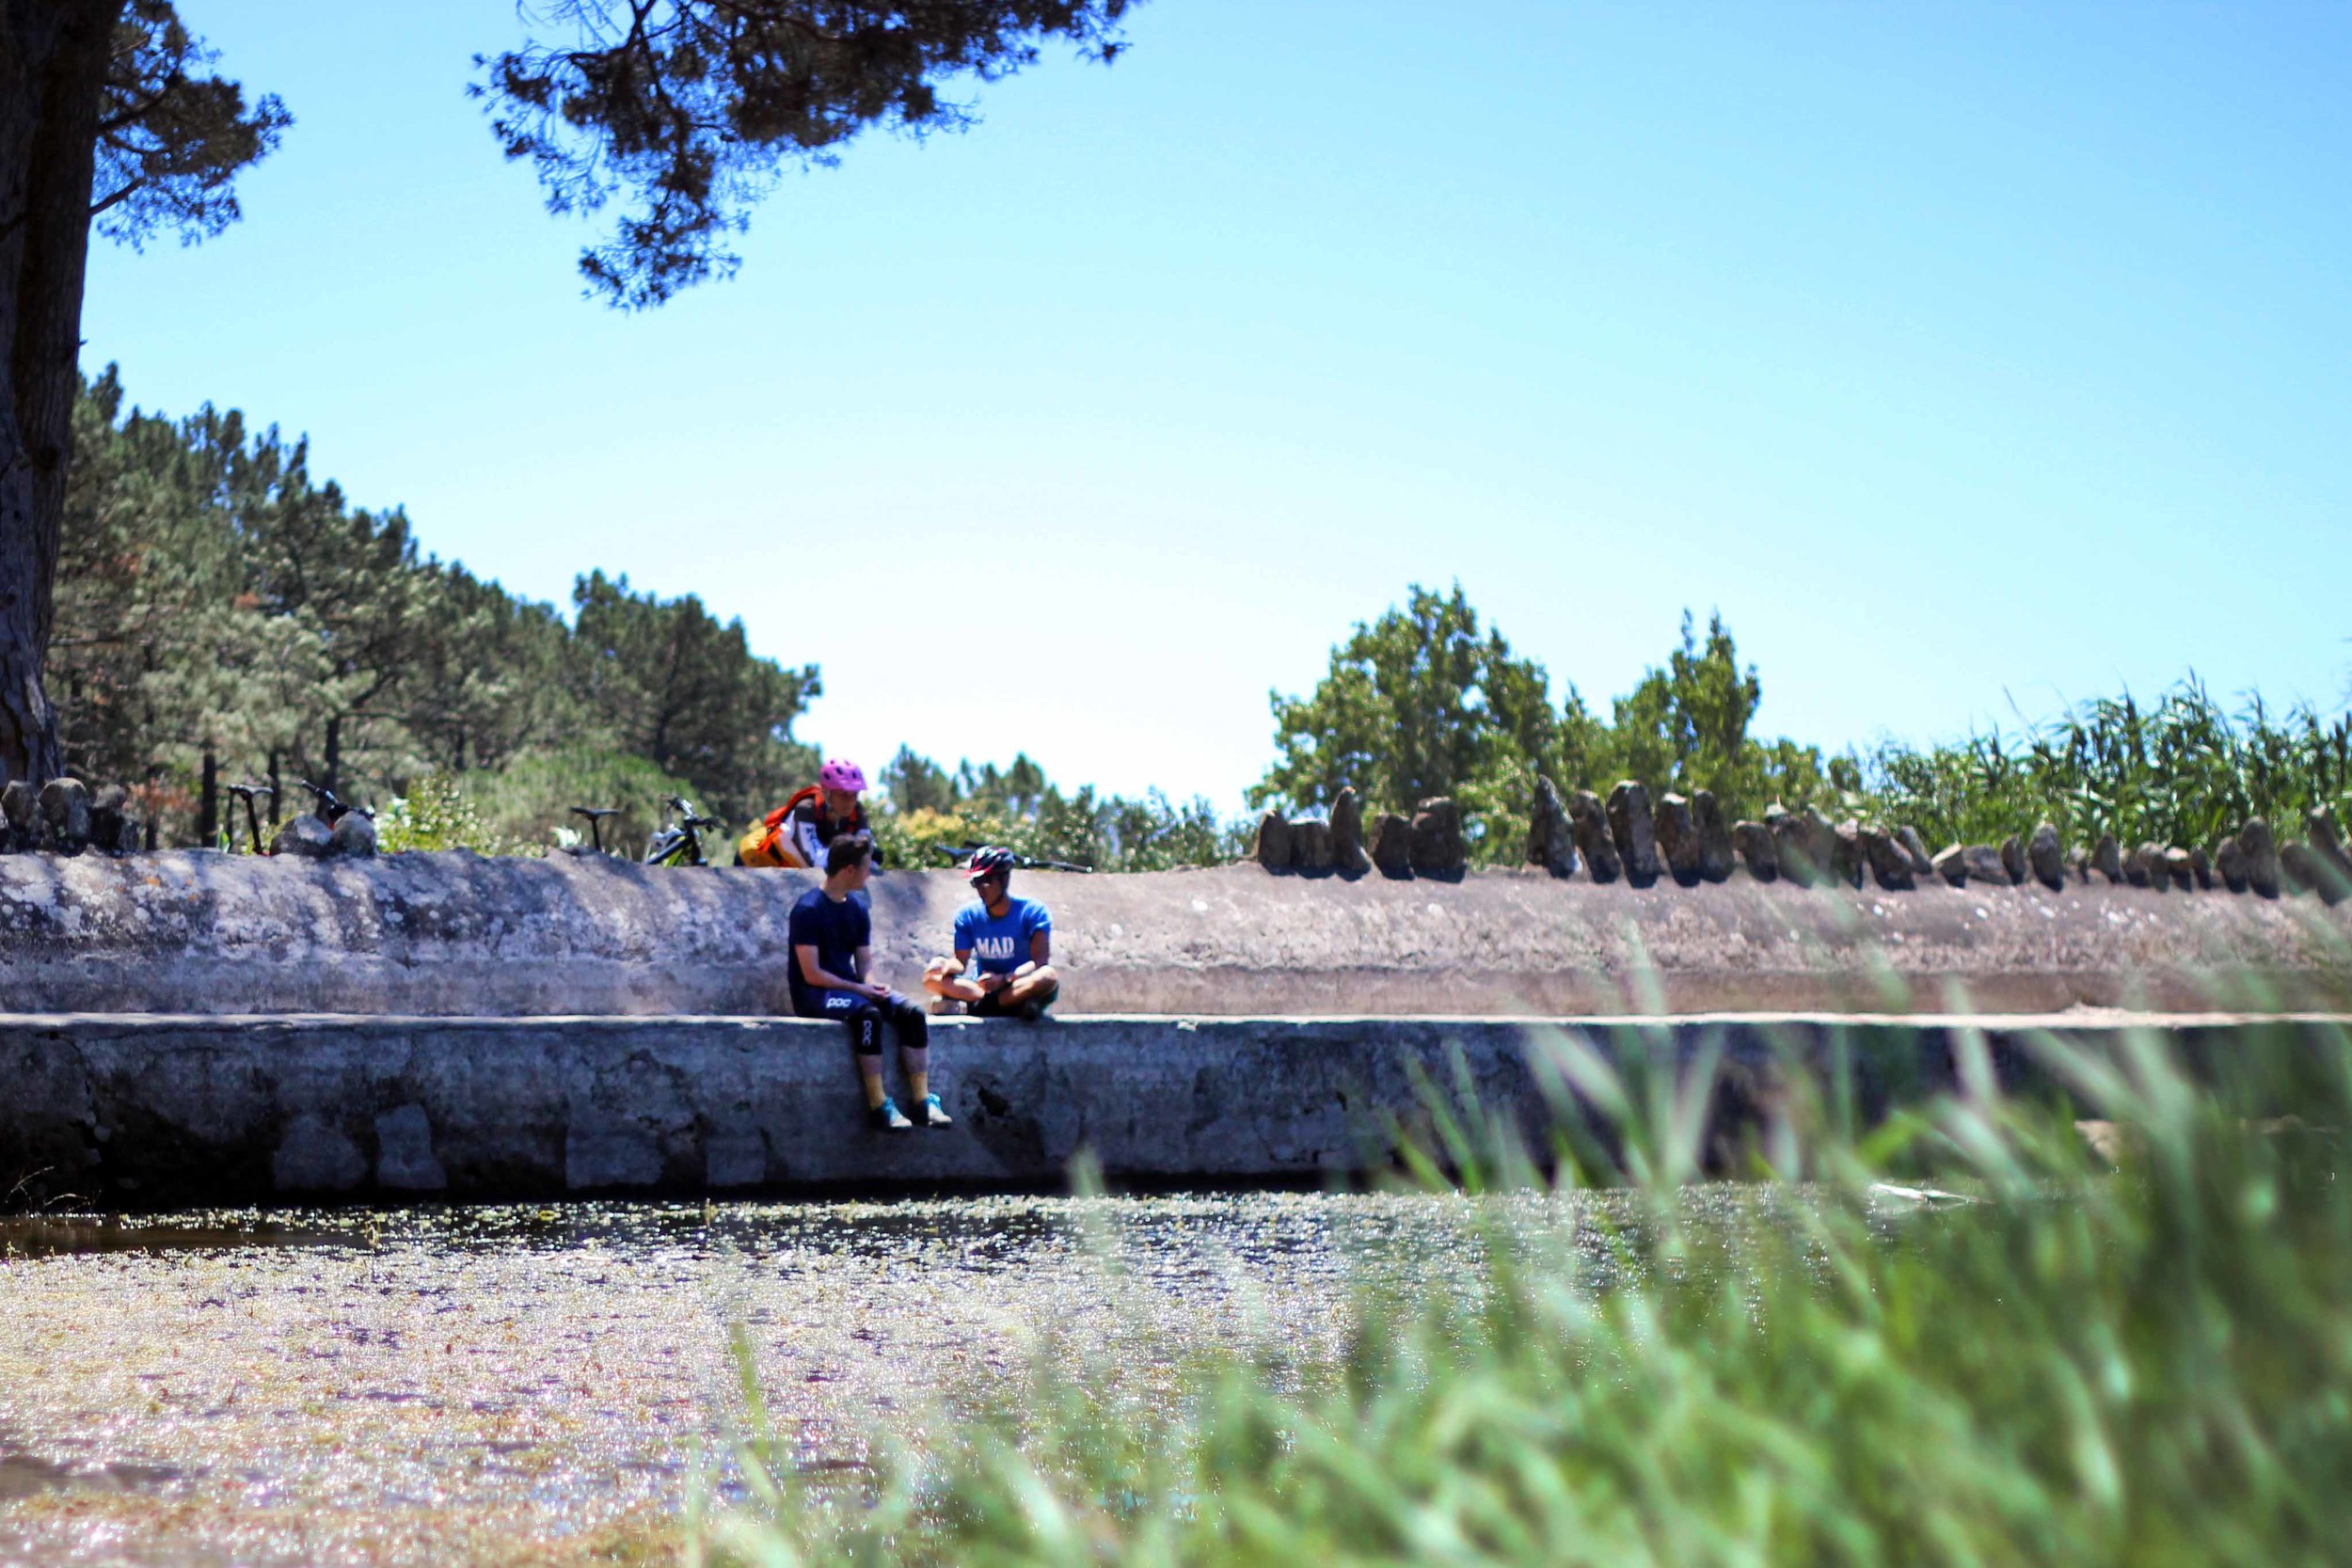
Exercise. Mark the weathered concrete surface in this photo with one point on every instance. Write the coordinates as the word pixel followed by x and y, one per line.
pixel 461 935
pixel 164 1111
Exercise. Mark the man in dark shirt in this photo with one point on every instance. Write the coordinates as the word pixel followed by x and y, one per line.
pixel 831 938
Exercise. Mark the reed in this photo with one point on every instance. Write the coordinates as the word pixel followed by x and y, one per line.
pixel 2024 1349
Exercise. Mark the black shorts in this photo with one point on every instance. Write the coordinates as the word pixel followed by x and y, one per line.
pixel 863 1016
pixel 993 1004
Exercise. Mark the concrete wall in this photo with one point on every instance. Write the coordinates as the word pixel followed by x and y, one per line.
pixel 155 1111
pixel 454 934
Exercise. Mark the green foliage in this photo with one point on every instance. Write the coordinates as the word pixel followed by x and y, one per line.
pixel 924 809
pixel 524 801
pixel 1418 703
pixel 1684 727
pixel 2037 1360
pixel 911 782
pixel 1423 703
pixel 695 107
pixel 2180 771
pixel 213 599
pixel 688 694
pixel 171 136
pixel 435 814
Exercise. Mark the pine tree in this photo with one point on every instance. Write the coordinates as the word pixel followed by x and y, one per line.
pixel 109 114
pixel 686 693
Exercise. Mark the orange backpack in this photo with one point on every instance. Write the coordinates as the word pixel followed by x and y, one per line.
pixel 766 844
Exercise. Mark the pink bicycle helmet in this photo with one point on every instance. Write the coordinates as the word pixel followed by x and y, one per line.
pixel 842 775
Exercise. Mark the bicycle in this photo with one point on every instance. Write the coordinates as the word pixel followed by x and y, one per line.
pixel 329 809
pixel 680 844
pixel 595 815
pixel 1020 861
pixel 246 792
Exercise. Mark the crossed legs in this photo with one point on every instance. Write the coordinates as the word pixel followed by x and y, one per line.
pixel 944 977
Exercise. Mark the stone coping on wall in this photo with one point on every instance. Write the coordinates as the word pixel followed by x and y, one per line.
pixel 450 934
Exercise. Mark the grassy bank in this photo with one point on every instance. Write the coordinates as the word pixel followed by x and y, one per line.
pixel 2038 1341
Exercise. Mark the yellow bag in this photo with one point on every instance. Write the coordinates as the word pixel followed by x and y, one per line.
pixel 767 844
pixel 759 847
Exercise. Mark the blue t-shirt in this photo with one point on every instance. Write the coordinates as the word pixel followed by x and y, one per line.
pixel 1000 943
pixel 837 931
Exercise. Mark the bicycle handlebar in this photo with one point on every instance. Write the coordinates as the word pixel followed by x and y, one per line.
pixel 687 816
pixel 330 809
pixel 1021 861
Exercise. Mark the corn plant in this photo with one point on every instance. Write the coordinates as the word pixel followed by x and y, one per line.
pixel 2181 771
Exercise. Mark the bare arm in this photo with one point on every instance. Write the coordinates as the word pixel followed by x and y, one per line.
pixel 824 979
pixel 946 978
pixel 1040 953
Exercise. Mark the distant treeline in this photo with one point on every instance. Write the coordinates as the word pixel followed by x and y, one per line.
pixel 1427 700
pixel 926 807
pixel 224 616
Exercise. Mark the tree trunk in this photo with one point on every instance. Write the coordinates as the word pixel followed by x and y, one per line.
pixel 208 802
pixel 334 752
pixel 53 69
pixel 274 787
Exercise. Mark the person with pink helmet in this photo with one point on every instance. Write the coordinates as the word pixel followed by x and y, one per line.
pixel 798 833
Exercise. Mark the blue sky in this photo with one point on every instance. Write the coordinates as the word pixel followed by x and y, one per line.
pixel 1970 359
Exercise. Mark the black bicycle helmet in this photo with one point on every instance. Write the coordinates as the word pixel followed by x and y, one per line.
pixel 988 860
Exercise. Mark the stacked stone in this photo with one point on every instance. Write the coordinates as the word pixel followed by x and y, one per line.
pixel 64 818
pixel 1626 837
pixel 309 837
pixel 1551 834
pixel 1630 831
pixel 1312 844
pixel 1692 839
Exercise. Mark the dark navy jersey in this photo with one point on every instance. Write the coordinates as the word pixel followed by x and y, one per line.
pixel 837 931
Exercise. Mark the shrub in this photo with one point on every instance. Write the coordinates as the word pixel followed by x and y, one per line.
pixel 527 801
pixel 435 814
pixel 1117 834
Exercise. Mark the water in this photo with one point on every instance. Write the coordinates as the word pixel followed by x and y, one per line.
pixel 541 1384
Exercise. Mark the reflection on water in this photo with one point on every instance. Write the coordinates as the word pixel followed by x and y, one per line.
pixel 436 1384
pixel 47 1235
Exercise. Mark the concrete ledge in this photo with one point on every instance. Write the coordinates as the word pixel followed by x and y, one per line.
pixel 460 935
pixel 149 1110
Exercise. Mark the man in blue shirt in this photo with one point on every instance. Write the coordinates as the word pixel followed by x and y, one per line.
pixel 1009 940
pixel 831 938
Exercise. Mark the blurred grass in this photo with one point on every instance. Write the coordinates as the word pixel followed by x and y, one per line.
pixel 2022 1354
